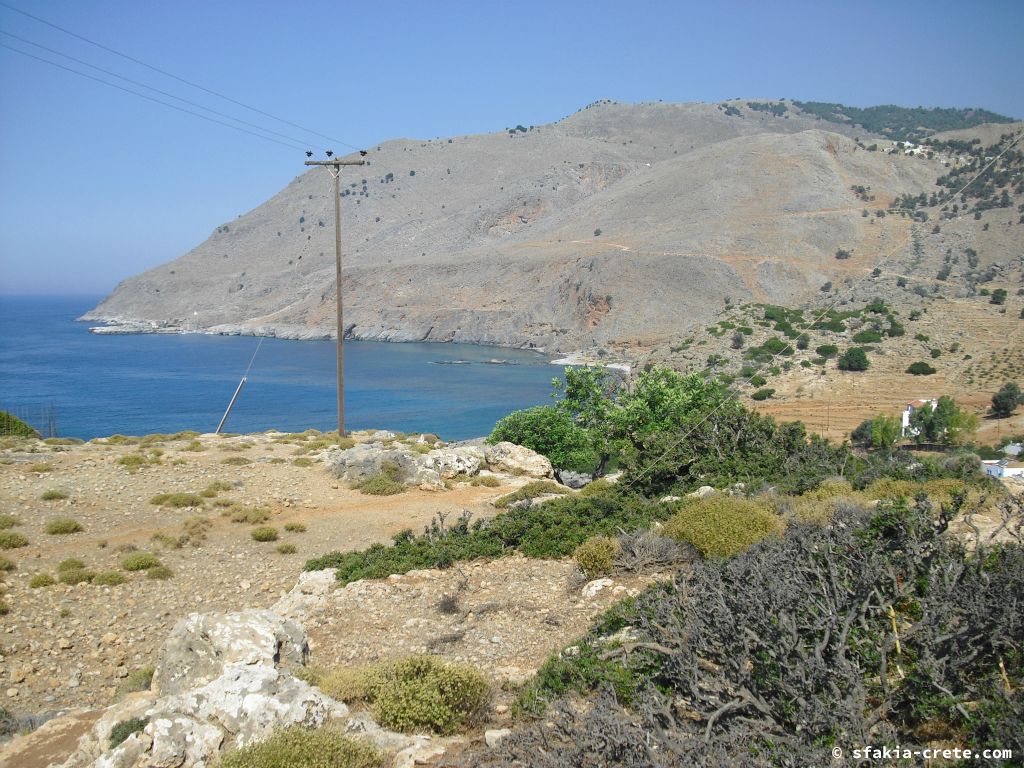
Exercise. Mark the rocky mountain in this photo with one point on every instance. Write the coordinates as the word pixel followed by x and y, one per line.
pixel 621 226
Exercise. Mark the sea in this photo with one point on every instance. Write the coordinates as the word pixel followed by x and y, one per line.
pixel 63 379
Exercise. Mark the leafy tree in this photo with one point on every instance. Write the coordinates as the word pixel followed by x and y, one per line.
pixel 732 444
pixel 861 436
pixel 946 423
pixel 885 432
pixel 617 417
pixel 853 359
pixel 920 369
pixel 1006 400
pixel 551 432
pixel 998 296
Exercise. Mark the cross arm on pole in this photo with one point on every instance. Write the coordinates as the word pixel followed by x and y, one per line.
pixel 335 163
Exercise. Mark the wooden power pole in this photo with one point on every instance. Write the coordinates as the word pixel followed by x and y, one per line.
pixel 334 168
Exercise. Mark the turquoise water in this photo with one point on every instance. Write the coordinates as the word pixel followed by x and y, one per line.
pixel 138 384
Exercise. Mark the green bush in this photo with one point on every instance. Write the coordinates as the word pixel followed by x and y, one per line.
pixel 303 461
pixel 133 462
pixel 867 337
pixel 380 484
pixel 488 481
pixel 63 526
pixel 415 693
pixel 287 549
pixel 920 369
pixel 138 680
pixel 596 556
pixel 140 561
pixel 295 527
pixel 550 432
pixel 214 488
pixel 124 729
pixel 236 461
pixel 299 747
pixel 7 521
pixel 853 359
pixel 177 500
pixel 12 540
pixel 71 564
pixel 159 573
pixel 41 467
pixel 827 350
pixel 757 380
pixel 76 576
pixel 723 526
pixel 54 495
pixel 4 608
pixel 529 491
pixel 6 564
pixel 41 580
pixel 264 533
pixel 250 515
pixel 550 530
pixel 15 427
pixel 109 578
pixel 763 394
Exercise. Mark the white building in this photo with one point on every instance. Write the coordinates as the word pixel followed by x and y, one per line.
pixel 1003 468
pixel 907 430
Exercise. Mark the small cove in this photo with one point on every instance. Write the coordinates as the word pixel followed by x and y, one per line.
pixel 98 385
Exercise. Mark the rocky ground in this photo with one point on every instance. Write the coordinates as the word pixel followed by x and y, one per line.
pixel 68 646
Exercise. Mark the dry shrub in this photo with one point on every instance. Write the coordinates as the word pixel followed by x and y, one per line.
pixel 299 747
pixel 415 693
pixel 596 556
pixel 723 526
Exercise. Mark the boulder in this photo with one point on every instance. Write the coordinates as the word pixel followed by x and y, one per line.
pixel 362 461
pixel 248 702
pixel 201 645
pixel 449 462
pixel 309 594
pixel 702 492
pixel 495 736
pixel 513 459
pixel 591 588
pixel 574 480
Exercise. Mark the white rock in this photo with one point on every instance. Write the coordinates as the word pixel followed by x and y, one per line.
pixel 595 586
pixel 702 492
pixel 495 736
pixel 450 462
pixel 515 459
pixel 201 645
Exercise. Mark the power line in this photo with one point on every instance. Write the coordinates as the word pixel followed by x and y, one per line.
pixel 151 98
pixel 171 75
pixel 151 88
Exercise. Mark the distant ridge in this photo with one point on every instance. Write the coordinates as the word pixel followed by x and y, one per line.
pixel 621 226
pixel 902 123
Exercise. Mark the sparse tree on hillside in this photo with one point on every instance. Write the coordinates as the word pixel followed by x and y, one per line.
pixel 853 359
pixel 946 423
pixel 885 432
pixel 1006 400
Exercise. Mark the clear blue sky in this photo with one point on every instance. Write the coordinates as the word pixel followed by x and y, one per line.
pixel 96 185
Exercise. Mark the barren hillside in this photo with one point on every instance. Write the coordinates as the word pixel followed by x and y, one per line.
pixel 622 225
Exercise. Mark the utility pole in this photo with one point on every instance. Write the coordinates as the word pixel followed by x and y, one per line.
pixel 334 168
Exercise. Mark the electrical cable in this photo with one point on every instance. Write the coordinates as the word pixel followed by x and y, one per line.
pixel 151 98
pixel 151 88
pixel 173 76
